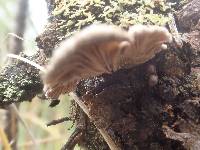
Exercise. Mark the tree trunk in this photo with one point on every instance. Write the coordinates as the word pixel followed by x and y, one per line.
pixel 152 106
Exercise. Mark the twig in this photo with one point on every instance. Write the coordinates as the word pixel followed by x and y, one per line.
pixel 54 122
pixel 16 36
pixel 73 139
pixel 78 133
pixel 112 145
pixel 24 124
pixel 174 31
pixel 27 61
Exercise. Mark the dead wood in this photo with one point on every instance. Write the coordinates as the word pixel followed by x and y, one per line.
pixel 138 108
pixel 189 16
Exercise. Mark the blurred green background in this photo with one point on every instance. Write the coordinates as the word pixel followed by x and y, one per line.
pixel 37 113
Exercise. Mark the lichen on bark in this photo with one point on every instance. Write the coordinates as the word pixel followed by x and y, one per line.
pixel 67 17
pixel 19 81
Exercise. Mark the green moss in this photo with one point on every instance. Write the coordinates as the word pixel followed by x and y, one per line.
pixel 76 14
pixel 18 82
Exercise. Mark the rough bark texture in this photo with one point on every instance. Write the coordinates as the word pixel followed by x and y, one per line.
pixel 153 106
pixel 165 116
pixel 20 81
pixel 189 16
pixel 135 113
